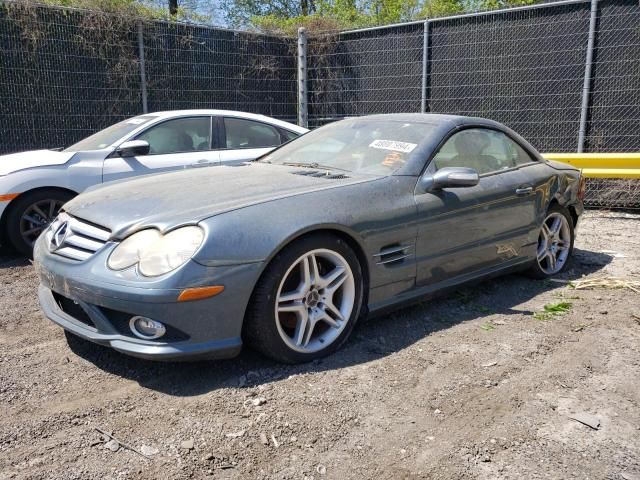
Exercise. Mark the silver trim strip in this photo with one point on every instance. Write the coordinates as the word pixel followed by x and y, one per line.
pixel 391 251
pixel 394 259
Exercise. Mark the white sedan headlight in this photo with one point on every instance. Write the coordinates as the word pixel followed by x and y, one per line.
pixel 154 253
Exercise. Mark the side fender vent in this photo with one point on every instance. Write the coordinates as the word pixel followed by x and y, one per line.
pixel 393 254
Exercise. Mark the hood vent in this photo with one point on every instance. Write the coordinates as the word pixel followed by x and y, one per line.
pixel 320 174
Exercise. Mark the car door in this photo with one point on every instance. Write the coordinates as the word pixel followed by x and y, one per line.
pixel 244 140
pixel 463 232
pixel 184 142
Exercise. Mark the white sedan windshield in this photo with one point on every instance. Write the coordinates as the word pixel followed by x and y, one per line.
pixel 359 145
pixel 110 135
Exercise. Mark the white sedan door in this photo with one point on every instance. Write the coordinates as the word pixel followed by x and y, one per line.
pixel 245 140
pixel 177 143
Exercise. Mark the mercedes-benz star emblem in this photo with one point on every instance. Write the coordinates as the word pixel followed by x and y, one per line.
pixel 57 240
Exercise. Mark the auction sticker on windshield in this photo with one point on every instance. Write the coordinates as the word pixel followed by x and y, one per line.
pixel 393 145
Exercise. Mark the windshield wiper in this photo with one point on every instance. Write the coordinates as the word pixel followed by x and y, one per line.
pixel 314 165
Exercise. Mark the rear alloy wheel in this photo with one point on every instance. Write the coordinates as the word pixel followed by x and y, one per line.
pixel 31 214
pixel 307 302
pixel 555 243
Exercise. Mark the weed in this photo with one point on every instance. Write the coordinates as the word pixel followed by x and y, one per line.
pixel 487 327
pixel 551 310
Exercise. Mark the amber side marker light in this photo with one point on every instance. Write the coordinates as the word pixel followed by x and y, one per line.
pixel 198 293
pixel 8 196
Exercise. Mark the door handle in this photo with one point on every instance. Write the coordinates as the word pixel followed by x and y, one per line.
pixel 524 190
pixel 203 163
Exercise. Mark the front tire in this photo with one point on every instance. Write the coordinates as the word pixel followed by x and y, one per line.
pixel 555 243
pixel 30 214
pixel 307 301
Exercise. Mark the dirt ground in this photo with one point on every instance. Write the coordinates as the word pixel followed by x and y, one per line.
pixel 478 384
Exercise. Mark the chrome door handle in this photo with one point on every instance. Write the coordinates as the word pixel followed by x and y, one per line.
pixel 524 190
pixel 203 163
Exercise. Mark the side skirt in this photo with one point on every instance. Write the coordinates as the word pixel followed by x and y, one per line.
pixel 442 288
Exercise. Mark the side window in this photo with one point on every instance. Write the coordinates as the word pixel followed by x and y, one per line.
pixel 519 154
pixel 481 149
pixel 243 133
pixel 288 135
pixel 179 135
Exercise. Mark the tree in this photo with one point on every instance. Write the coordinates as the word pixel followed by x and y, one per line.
pixel 281 15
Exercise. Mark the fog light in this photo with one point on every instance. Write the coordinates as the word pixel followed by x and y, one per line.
pixel 146 328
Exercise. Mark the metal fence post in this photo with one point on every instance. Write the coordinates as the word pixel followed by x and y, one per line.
pixel 303 113
pixel 143 76
pixel 425 61
pixel 586 86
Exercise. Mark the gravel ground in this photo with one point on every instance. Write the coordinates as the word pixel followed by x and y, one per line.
pixel 473 385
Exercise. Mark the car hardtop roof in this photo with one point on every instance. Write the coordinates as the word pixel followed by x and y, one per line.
pixel 433 118
pixel 233 113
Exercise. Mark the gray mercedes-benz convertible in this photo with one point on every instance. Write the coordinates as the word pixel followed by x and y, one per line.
pixel 287 252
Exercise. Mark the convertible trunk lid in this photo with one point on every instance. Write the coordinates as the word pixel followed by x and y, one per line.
pixel 186 197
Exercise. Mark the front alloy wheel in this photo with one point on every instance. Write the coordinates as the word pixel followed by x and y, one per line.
pixel 307 301
pixel 315 299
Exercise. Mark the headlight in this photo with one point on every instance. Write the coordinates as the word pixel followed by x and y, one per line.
pixel 129 252
pixel 154 253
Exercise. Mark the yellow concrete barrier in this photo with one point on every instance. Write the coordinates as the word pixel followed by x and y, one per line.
pixel 601 165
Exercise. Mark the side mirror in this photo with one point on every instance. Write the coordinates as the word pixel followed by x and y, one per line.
pixel 449 177
pixel 133 148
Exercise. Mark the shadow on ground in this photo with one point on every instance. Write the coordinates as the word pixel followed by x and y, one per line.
pixel 372 339
pixel 9 258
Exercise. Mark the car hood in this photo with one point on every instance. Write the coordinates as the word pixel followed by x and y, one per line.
pixel 34 158
pixel 168 200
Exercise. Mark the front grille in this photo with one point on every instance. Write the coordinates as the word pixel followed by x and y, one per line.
pixel 74 238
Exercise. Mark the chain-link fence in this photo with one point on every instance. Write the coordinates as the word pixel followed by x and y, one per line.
pixel 62 76
pixel 365 72
pixel 524 67
pixel 67 73
pixel 200 67
pixel 614 103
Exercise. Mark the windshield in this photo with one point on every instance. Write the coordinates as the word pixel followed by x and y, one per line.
pixel 109 135
pixel 358 145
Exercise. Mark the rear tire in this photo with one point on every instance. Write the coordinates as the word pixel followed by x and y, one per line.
pixel 307 301
pixel 30 214
pixel 555 243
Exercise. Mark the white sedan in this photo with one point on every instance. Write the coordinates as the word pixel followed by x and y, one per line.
pixel 34 185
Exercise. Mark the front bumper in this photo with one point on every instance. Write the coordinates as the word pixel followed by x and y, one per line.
pixel 98 311
pixel 131 346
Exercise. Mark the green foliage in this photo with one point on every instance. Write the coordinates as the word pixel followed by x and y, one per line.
pixel 551 310
pixel 441 8
pixel 289 26
pixel 130 8
pixel 322 15
pixel 286 16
